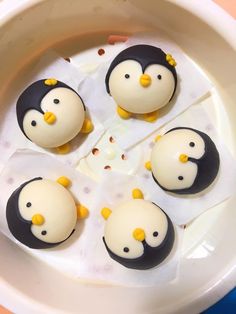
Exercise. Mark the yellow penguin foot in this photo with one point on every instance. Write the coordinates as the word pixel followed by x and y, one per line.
pixel 123 113
pixel 105 212
pixel 87 126
pixel 148 165
pixel 137 194
pixel 157 138
pixel 63 149
pixel 151 116
pixel 82 211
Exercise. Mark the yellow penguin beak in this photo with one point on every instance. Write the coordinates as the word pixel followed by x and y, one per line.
pixel 139 234
pixel 145 80
pixel 37 220
pixel 183 158
pixel 49 117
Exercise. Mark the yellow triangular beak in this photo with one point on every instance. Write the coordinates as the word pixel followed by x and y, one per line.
pixel 49 117
pixel 37 220
pixel 183 158
pixel 139 234
pixel 145 80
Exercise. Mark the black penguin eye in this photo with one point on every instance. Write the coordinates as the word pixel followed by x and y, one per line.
pixel 126 249
pixel 28 204
pixel 33 123
pixel 180 178
pixel 44 232
pixel 159 77
pixel 191 144
pixel 127 76
pixel 56 101
pixel 155 234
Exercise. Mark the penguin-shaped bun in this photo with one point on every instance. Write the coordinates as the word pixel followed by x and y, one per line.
pixel 41 213
pixel 138 234
pixel 184 161
pixel 50 113
pixel 141 80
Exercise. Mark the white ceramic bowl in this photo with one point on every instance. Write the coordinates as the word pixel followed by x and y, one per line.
pixel 207 34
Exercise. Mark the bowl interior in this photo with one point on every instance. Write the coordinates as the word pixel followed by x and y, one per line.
pixel 75 26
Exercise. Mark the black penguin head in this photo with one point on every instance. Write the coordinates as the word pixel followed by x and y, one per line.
pixel 145 55
pixel 21 228
pixel 152 256
pixel 32 96
pixel 207 166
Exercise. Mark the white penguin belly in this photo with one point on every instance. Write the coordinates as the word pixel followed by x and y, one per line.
pixel 168 170
pixel 130 216
pixel 55 204
pixel 135 98
pixel 69 114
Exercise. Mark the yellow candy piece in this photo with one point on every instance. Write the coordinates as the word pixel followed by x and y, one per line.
pixel 63 149
pixel 49 117
pixel 148 165
pixel 151 117
pixel 183 158
pixel 139 234
pixel 64 181
pixel 37 220
pixel 87 126
pixel 106 212
pixel 145 80
pixel 123 113
pixel 171 60
pixel 82 211
pixel 157 138
pixel 137 194
pixel 50 82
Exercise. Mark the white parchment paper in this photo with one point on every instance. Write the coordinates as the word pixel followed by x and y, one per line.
pixel 50 65
pixel 192 86
pixel 83 255
pixel 183 209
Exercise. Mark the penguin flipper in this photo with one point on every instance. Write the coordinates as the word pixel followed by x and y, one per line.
pixel 137 194
pixel 87 126
pixel 82 211
pixel 64 181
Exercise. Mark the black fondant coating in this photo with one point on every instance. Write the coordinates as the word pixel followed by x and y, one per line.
pixel 152 256
pixel 32 96
pixel 21 228
pixel 208 166
pixel 145 55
